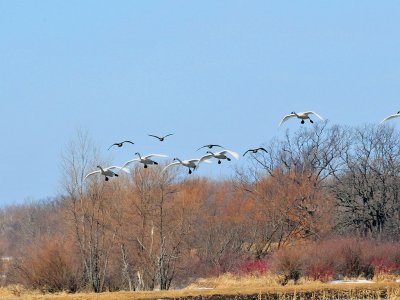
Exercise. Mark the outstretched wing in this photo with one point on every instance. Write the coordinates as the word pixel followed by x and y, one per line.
pixel 129 162
pixel 204 158
pixel 247 151
pixel 216 146
pixel 115 144
pixel 128 142
pixel 234 154
pixel 154 136
pixel 119 168
pixel 390 117
pixel 263 149
pixel 205 146
pixel 285 118
pixel 314 113
pixel 92 173
pixel 170 165
pixel 168 135
pixel 157 155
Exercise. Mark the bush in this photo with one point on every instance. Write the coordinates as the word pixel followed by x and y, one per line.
pixel 289 263
pixel 48 268
pixel 321 261
pixel 249 266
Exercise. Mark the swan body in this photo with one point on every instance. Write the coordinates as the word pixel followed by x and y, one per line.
pixel 391 117
pixel 189 163
pixel 220 155
pixel 145 160
pixel 302 115
pixel 107 172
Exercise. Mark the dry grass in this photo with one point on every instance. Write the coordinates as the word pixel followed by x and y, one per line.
pixel 234 287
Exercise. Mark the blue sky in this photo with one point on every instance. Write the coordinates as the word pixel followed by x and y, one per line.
pixel 209 71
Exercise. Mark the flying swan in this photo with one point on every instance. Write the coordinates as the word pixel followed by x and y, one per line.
pixel 121 144
pixel 302 115
pixel 189 163
pixel 209 146
pixel 161 139
pixel 255 150
pixel 107 172
pixel 144 159
pixel 391 117
pixel 220 155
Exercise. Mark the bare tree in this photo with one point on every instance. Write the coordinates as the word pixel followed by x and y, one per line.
pixel 367 191
pixel 89 209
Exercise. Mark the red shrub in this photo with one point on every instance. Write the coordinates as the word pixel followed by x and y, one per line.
pixel 384 266
pixel 249 266
pixel 320 272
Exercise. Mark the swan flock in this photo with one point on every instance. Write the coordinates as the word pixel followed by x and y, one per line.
pixel 193 164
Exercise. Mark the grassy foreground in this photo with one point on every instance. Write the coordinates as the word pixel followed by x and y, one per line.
pixel 387 290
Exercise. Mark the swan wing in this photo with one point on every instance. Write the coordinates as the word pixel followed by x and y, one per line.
pixel 263 149
pixel 119 168
pixel 129 162
pixel 154 136
pixel 92 173
pixel 234 154
pixel 285 118
pixel 313 113
pixel 390 117
pixel 170 165
pixel 247 151
pixel 156 155
pixel 204 158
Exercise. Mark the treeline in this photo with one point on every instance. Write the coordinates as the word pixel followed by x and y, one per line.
pixel 157 230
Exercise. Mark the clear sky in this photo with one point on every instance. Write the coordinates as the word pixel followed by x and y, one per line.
pixel 209 71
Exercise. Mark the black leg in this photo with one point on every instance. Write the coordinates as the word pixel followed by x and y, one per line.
pixel 190 171
pixel 228 159
pixel 311 121
pixel 116 175
pixel 156 163
pixel 106 178
pixel 145 166
pixel 219 161
pixel 302 121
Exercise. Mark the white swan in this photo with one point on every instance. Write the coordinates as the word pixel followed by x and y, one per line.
pixel 144 159
pixel 302 115
pixel 107 172
pixel 189 163
pixel 220 155
pixel 391 117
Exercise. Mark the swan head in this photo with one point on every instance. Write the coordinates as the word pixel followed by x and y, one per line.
pixel 99 166
pixel 175 158
pixel 137 153
pixel 293 112
pixel 398 112
pixel 210 152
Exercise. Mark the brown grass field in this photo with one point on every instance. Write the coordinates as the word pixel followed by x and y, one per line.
pixel 228 289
